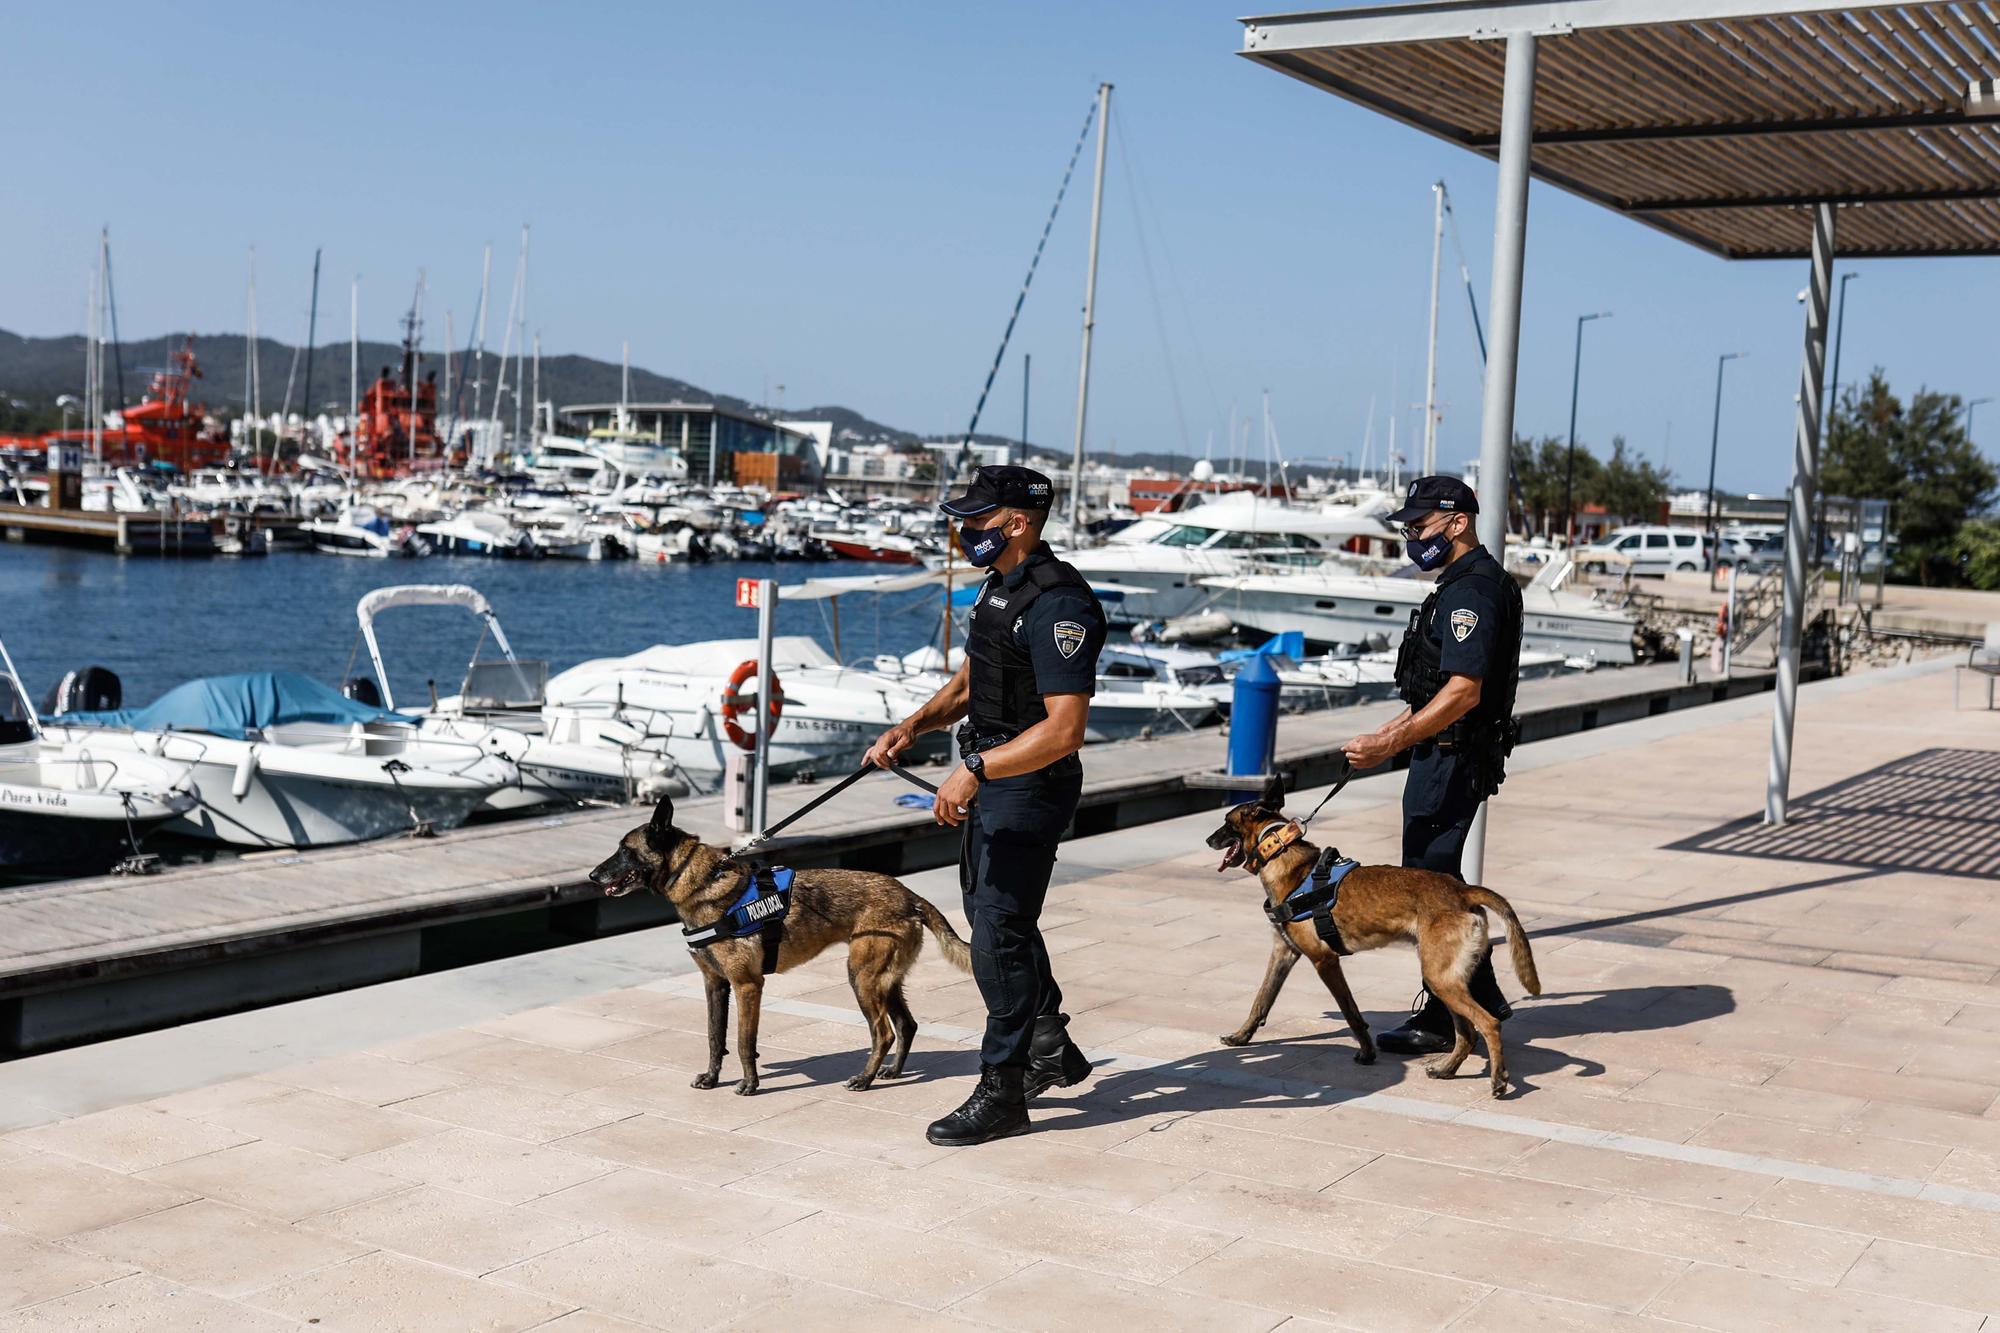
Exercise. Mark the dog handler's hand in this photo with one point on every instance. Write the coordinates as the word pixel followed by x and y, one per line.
pixel 954 797
pixel 890 744
pixel 1365 752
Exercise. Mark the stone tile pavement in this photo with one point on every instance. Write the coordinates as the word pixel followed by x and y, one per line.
pixel 1760 1093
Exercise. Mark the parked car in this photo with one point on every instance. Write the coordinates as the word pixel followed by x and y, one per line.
pixel 1733 551
pixel 1645 549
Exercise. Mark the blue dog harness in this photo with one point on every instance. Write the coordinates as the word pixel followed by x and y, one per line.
pixel 760 910
pixel 1315 900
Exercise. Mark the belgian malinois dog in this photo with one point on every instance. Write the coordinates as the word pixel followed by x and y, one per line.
pixel 1378 905
pixel 881 920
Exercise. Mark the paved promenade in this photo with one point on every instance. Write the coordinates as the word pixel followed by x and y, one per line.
pixel 1760 1093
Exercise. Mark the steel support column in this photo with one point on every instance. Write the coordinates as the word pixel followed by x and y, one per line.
pixel 1496 420
pixel 1798 518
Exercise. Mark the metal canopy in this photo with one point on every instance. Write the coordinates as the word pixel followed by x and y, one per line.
pixel 1719 123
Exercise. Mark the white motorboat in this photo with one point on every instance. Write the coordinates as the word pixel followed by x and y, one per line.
pixel 281 760
pixel 477 532
pixel 830 714
pixel 1368 676
pixel 361 530
pixel 563 754
pixel 1213 676
pixel 1133 699
pixel 1169 557
pixel 1331 606
pixel 71 807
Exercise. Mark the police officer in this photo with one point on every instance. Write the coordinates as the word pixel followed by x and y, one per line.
pixel 1030 669
pixel 1456 671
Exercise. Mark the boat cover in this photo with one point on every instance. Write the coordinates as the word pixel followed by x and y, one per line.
pixel 231 706
pixel 1291 643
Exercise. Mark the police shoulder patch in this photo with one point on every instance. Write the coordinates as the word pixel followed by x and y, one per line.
pixel 1069 637
pixel 1463 622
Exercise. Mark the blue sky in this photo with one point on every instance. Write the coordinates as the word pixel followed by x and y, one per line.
pixel 842 198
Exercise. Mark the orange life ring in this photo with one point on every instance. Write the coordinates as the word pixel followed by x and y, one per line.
pixel 733 706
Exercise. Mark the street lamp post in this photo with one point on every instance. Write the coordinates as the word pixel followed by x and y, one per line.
pixel 1839 331
pixel 1969 409
pixel 1569 467
pixel 1714 438
pixel 66 402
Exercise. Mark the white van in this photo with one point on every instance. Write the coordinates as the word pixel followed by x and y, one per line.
pixel 1647 548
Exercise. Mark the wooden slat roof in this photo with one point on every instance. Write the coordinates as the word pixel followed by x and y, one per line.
pixel 1715 124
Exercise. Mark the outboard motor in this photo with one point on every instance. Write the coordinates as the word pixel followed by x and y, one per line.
pixel 91 689
pixel 363 691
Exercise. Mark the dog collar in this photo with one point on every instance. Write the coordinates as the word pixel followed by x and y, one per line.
pixel 1274 838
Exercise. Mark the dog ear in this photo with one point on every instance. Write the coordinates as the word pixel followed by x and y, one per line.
pixel 1273 795
pixel 660 828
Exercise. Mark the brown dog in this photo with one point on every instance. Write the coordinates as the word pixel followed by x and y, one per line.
pixel 881 920
pixel 1378 905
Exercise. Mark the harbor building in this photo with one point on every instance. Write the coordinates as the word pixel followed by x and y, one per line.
pixel 711 438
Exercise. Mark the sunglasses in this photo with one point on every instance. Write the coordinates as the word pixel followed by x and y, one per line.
pixel 1416 531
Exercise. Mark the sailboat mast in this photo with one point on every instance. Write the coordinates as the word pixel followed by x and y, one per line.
pixel 111 303
pixel 312 326
pixel 253 392
pixel 1089 315
pixel 625 388
pixel 1431 364
pixel 353 352
pixel 521 350
pixel 479 357
pixel 535 398
pixel 93 361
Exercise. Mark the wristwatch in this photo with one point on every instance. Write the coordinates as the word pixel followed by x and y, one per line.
pixel 975 764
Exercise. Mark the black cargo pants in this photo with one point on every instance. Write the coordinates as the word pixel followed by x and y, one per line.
pixel 1438 807
pixel 1005 859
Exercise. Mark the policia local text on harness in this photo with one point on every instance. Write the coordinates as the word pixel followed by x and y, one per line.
pixel 1485 736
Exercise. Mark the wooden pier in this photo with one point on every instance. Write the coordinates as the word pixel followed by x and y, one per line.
pixel 88 958
pixel 153 533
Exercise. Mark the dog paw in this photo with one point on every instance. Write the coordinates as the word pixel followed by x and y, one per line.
pixel 1364 1057
pixel 859 1084
pixel 704 1081
pixel 1236 1039
pixel 746 1089
pixel 1436 1071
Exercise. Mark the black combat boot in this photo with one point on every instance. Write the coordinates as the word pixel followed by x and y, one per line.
pixel 997 1109
pixel 1428 1030
pixel 1053 1059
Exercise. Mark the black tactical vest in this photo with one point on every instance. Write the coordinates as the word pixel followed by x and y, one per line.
pixel 1420 672
pixel 1004 698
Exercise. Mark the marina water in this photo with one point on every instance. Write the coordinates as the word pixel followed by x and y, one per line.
pixel 158 623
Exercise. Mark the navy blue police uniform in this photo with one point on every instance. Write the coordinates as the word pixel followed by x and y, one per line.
pixel 1034 631
pixel 1469 626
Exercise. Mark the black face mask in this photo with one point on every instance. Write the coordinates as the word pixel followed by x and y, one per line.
pixel 982 546
pixel 1427 553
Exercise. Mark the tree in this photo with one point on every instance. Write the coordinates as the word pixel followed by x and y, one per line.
pixel 1542 467
pixel 1916 457
pixel 1628 487
pixel 1976 554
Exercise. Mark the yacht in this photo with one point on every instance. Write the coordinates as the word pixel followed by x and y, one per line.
pixel 281 760
pixel 1213 675
pixel 360 530
pixel 1164 559
pixel 830 716
pixel 70 807
pixel 564 754
pixel 476 532
pixel 1332 606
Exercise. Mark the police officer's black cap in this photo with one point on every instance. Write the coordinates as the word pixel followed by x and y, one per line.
pixel 1431 495
pixel 1002 487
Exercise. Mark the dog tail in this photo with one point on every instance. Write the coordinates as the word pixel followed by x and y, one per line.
pixel 1517 938
pixel 956 951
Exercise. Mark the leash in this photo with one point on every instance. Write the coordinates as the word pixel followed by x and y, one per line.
pixel 1346 776
pixel 827 795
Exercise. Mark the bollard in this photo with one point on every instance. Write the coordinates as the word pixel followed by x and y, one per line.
pixel 1686 637
pixel 1253 724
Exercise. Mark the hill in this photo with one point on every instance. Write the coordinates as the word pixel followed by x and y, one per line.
pixel 36 370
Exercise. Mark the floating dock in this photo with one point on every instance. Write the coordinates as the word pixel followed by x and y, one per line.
pixel 153 533
pixel 88 958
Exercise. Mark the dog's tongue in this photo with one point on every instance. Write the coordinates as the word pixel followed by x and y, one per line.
pixel 1230 855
